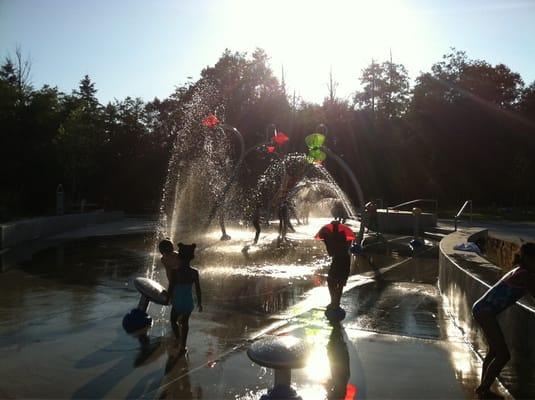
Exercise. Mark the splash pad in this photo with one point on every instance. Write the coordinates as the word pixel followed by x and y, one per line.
pixel 209 179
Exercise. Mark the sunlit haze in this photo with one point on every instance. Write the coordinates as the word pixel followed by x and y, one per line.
pixel 145 49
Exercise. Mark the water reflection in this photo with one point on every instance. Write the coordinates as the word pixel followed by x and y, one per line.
pixel 74 281
pixel 79 293
pixel 177 371
pixel 114 365
pixel 342 377
pixel 149 350
pixel 175 382
pixel 337 386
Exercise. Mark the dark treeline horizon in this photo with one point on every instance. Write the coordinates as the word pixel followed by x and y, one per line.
pixel 464 130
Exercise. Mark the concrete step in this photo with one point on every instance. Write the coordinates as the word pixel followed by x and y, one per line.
pixel 441 229
pixel 435 235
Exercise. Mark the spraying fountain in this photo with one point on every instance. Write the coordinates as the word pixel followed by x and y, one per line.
pixel 317 153
pixel 203 171
pixel 276 187
pixel 269 144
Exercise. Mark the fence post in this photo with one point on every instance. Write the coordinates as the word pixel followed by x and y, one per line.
pixel 416 212
pixel 60 199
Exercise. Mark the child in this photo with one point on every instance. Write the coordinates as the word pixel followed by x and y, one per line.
pixel 337 244
pixel 180 293
pixel 171 263
pixel 515 284
pixel 169 257
pixel 179 274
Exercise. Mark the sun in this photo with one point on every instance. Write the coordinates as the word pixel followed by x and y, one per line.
pixel 311 37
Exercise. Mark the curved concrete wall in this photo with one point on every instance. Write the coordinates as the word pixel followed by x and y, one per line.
pixel 503 253
pixel 463 278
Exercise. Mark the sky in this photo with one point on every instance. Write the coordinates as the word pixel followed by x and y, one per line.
pixel 145 49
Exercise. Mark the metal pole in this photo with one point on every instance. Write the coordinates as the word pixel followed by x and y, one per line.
pixel 283 377
pixel 60 199
pixel 356 185
pixel 143 303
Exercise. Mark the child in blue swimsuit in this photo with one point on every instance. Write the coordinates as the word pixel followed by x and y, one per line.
pixel 180 293
pixel 510 288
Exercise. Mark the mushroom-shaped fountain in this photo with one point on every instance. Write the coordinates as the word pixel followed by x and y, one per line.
pixel 282 353
pixel 138 318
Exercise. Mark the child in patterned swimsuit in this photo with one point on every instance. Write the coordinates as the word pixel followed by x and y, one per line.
pixel 510 288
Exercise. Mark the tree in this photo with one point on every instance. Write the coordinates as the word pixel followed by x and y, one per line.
pixel 79 139
pixel 331 87
pixel 385 91
pixel 8 73
pixel 463 113
pixel 27 156
pixel 22 69
pixel 87 91
pixel 248 88
pixel 459 79
pixel 15 72
pixel 467 131
pixel 527 102
pixel 365 99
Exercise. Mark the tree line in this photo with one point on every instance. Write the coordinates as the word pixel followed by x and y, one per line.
pixel 463 130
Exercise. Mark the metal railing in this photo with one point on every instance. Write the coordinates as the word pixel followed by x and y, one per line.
pixel 434 201
pixel 461 210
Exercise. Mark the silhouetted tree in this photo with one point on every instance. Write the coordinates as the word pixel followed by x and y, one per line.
pixel 79 140
pixel 252 96
pixel 527 102
pixel 385 90
pixel 466 130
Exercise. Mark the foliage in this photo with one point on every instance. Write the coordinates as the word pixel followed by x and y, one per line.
pixel 386 90
pixel 465 130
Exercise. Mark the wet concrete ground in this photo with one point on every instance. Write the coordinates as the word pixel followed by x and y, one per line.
pixel 61 334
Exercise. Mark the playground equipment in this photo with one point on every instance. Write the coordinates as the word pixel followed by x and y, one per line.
pixel 282 353
pixel 335 314
pixel 317 153
pixel 270 144
pixel 138 318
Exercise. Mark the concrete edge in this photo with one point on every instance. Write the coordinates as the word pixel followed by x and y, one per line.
pixel 462 281
pixel 470 235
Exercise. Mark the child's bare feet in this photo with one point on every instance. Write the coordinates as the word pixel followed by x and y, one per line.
pixel 182 351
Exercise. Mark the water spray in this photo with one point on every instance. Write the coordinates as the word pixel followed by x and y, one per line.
pixel 272 137
pixel 318 152
pixel 213 122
